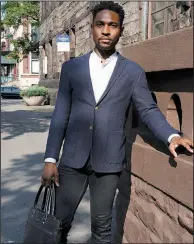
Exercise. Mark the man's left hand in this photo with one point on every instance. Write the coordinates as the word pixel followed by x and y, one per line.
pixel 180 141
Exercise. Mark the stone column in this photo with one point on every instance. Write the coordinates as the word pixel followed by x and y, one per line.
pixel 41 58
pixel 54 58
pixel 49 59
pixel 72 42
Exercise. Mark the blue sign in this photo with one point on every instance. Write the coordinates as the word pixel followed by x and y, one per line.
pixel 63 38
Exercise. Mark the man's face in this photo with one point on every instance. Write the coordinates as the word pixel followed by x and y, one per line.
pixel 106 29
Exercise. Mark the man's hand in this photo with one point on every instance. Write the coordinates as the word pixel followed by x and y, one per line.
pixel 180 141
pixel 50 172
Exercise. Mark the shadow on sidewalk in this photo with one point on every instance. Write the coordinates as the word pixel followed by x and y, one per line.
pixel 19 186
pixel 24 122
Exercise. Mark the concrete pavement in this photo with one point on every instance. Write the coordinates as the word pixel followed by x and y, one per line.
pixel 23 140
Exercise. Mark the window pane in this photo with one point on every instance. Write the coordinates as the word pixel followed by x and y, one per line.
pixel 35 66
pixel 157 5
pixel 170 19
pixel 34 56
pixel 158 23
pixel 158 17
pixel 158 30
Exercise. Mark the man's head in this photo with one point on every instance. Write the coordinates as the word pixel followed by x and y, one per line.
pixel 107 24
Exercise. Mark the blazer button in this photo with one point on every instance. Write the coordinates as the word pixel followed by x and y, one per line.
pixel 90 127
pixel 97 108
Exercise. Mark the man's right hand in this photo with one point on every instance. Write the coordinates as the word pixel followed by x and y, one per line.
pixel 50 172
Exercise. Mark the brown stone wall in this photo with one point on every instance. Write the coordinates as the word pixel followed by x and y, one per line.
pixel 155 203
pixel 154 217
pixel 166 182
pixel 167 52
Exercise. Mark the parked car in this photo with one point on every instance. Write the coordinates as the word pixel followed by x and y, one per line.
pixel 10 91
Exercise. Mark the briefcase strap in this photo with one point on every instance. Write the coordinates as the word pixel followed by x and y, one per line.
pixel 48 204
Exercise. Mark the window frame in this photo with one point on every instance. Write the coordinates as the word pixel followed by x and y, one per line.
pixel 168 4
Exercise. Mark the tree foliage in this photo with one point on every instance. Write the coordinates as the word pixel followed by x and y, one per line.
pixel 22 47
pixel 14 14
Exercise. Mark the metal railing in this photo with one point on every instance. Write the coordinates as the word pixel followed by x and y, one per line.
pixel 5 79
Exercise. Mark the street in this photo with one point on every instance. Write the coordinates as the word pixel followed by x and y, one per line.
pixel 23 139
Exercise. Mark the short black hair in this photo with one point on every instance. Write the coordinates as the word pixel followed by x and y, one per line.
pixel 110 5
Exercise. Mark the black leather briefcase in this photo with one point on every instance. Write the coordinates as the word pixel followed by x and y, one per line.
pixel 42 226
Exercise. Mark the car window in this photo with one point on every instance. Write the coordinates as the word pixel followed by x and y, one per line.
pixel 7 89
pixel 15 89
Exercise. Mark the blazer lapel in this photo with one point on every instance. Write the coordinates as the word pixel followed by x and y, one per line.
pixel 121 62
pixel 86 72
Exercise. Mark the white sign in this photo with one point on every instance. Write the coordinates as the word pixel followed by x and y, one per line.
pixel 63 43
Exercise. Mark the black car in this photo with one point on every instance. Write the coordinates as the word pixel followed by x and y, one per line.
pixel 10 91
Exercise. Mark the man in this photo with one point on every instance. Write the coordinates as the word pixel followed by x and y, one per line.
pixel 95 93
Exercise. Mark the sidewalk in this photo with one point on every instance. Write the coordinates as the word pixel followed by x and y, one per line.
pixel 24 134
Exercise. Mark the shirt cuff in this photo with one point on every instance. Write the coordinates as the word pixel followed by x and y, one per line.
pixel 171 136
pixel 50 160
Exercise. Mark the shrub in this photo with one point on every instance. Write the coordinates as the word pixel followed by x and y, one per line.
pixel 34 91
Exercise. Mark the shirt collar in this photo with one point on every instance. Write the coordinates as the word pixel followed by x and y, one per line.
pixel 95 56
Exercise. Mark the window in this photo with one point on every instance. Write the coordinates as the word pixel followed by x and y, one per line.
pixel 34 63
pixel 3 44
pixel 168 16
pixel 35 34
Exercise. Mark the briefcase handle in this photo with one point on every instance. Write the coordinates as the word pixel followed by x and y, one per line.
pixel 50 206
pixel 48 203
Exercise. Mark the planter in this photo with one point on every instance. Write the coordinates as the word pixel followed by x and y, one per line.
pixel 34 100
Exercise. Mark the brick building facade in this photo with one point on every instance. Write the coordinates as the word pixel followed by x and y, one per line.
pixel 155 202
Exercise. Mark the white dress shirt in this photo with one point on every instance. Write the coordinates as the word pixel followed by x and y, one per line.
pixel 100 74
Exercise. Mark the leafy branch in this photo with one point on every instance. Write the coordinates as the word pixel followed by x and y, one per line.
pixel 21 13
pixel 15 13
pixel 22 47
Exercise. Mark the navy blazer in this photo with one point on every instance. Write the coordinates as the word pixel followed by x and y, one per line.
pixel 98 128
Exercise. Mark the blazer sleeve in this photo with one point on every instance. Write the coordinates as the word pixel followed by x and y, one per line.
pixel 149 111
pixel 60 117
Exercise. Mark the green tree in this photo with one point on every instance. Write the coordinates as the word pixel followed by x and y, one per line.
pixel 19 13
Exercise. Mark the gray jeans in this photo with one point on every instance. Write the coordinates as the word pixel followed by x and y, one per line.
pixel 73 184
